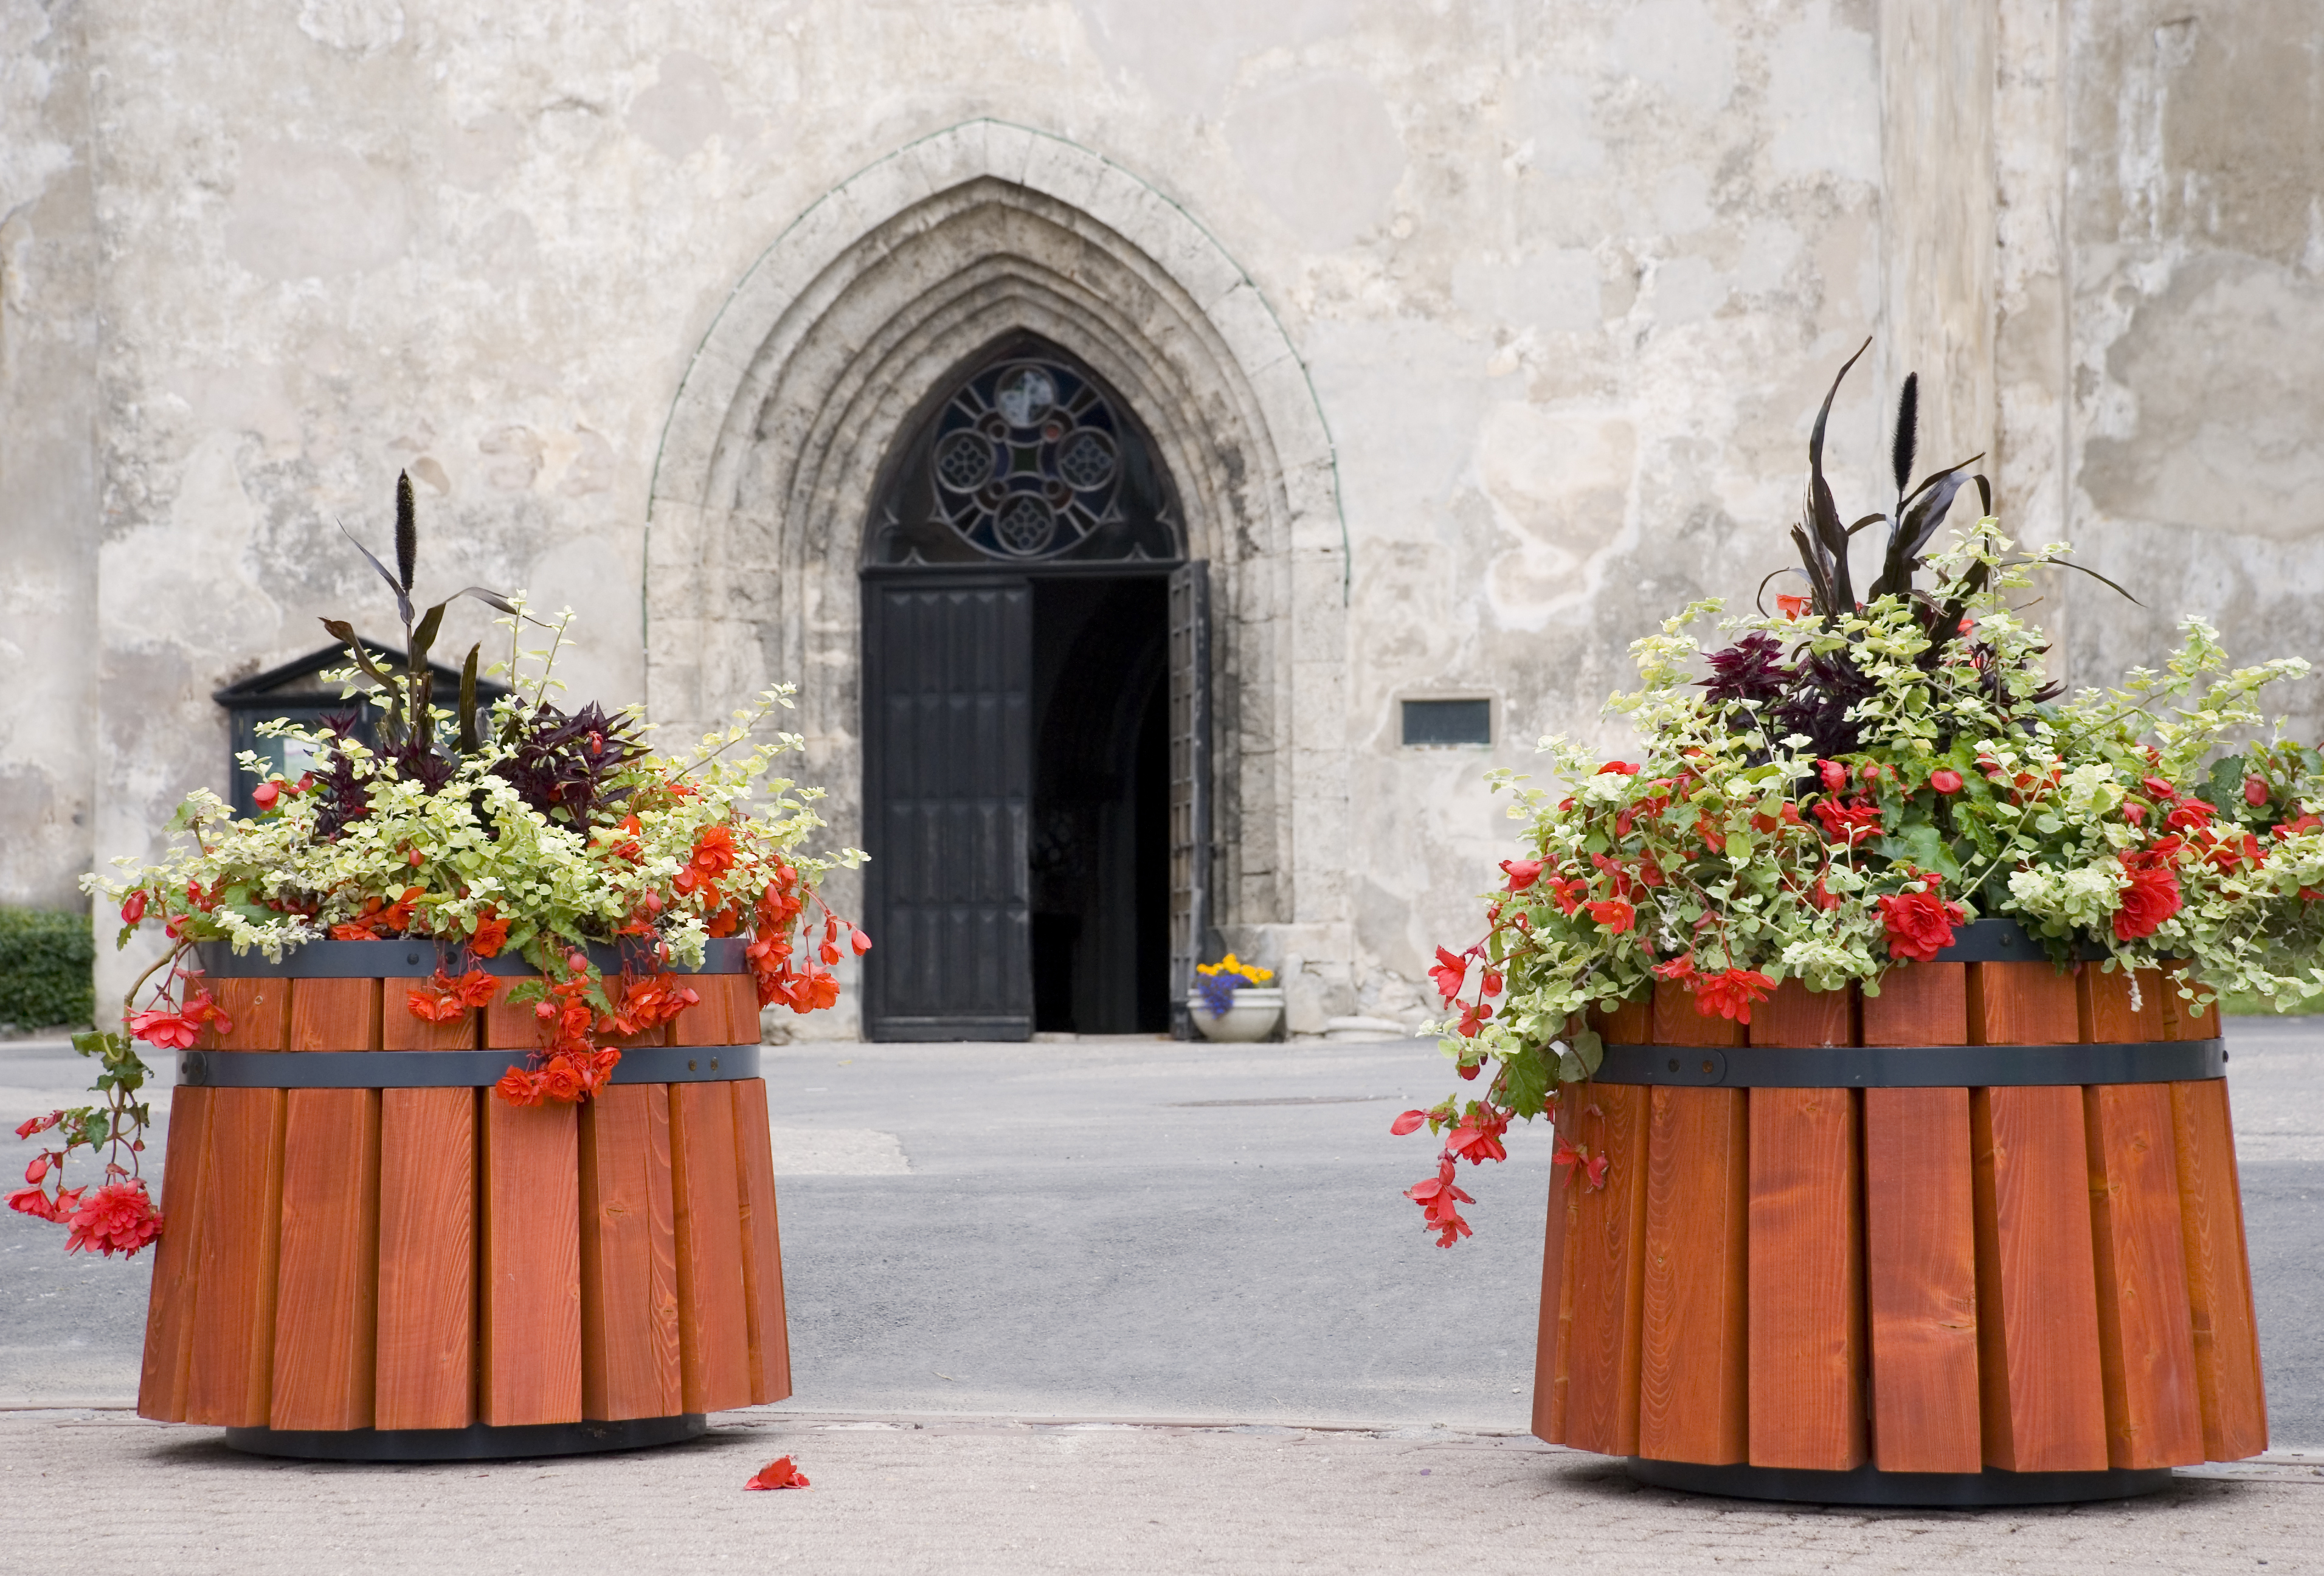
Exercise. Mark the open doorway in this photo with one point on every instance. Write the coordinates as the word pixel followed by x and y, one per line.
pixel 1035 716
pixel 1100 846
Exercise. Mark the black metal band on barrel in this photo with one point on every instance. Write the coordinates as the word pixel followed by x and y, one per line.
pixel 393 960
pixel 444 1069
pixel 1913 1066
pixel 2004 940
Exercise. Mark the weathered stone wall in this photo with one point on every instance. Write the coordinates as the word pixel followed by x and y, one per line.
pixel 2193 401
pixel 1565 281
pixel 49 259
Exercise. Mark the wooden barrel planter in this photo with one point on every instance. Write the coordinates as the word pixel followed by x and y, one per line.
pixel 370 1256
pixel 1975 1240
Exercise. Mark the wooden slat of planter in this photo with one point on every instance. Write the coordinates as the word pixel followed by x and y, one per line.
pixel 2146 1347
pixel 1807 1278
pixel 327 1305
pixel 231 1363
pixel 170 1310
pixel 399 1029
pixel 1607 1264
pixel 2107 1014
pixel 260 1010
pixel 1919 1004
pixel 629 1255
pixel 1630 1024
pixel 1554 1342
pixel 659 1035
pixel 426 1258
pixel 2182 1021
pixel 1797 1016
pixel 2044 1407
pixel 763 1252
pixel 530 1347
pixel 2022 1004
pixel 742 1008
pixel 511 1029
pixel 1693 1364
pixel 334 1015
pixel 1677 1023
pixel 1920 1280
pixel 705 1022
pixel 2218 1273
pixel 713 1341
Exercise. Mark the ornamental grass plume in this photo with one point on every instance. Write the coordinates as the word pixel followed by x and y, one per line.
pixel 521 829
pixel 1835 789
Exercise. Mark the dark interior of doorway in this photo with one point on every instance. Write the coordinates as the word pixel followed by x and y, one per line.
pixel 1101 813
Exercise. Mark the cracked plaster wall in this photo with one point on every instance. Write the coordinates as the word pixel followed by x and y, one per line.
pixel 1568 279
pixel 2193 400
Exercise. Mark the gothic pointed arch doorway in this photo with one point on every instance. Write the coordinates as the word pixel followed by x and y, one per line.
pixel 1036 723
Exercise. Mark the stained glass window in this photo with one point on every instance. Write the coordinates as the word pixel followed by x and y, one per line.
pixel 1028 459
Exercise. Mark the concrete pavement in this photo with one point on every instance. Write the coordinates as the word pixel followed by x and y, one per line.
pixel 962 1496
pixel 1122 1230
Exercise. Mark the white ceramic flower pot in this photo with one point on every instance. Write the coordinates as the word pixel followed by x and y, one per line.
pixel 1253 1016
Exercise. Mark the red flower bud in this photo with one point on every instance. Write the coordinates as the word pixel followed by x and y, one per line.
pixel 132 908
pixel 265 795
pixel 1945 780
pixel 2254 791
pixel 1835 774
pixel 1870 772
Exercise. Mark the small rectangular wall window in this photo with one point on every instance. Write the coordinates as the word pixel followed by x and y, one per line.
pixel 1448 722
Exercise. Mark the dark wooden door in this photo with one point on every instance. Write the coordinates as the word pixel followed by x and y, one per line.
pixel 947 679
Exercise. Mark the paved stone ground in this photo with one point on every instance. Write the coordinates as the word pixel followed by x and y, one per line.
pixel 991 1494
pixel 974 1236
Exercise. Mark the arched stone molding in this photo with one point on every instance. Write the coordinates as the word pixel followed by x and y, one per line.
pixel 821 358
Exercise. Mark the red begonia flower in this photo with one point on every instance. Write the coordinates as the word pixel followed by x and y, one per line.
pixel 1920 924
pixel 1521 872
pixel 118 1217
pixel 1945 780
pixel 1613 915
pixel 1730 993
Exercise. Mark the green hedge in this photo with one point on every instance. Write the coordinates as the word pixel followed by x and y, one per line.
pixel 46 964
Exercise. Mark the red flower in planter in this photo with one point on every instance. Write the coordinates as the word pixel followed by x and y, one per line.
pixel 116 1217
pixel 491 935
pixel 1848 824
pixel 165 1028
pixel 1588 1168
pixel 1478 1138
pixel 1613 915
pixel 1439 1199
pixel 714 853
pixel 519 1087
pixel 1450 972
pixel 1920 924
pixel 177 1030
pixel 1730 993
pixel 2149 896
pixel 132 908
pixel 1521 872
pixel 563 1082
pixel 2190 816
pixel 445 999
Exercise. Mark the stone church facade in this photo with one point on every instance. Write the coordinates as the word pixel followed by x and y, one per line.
pixel 1465 337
